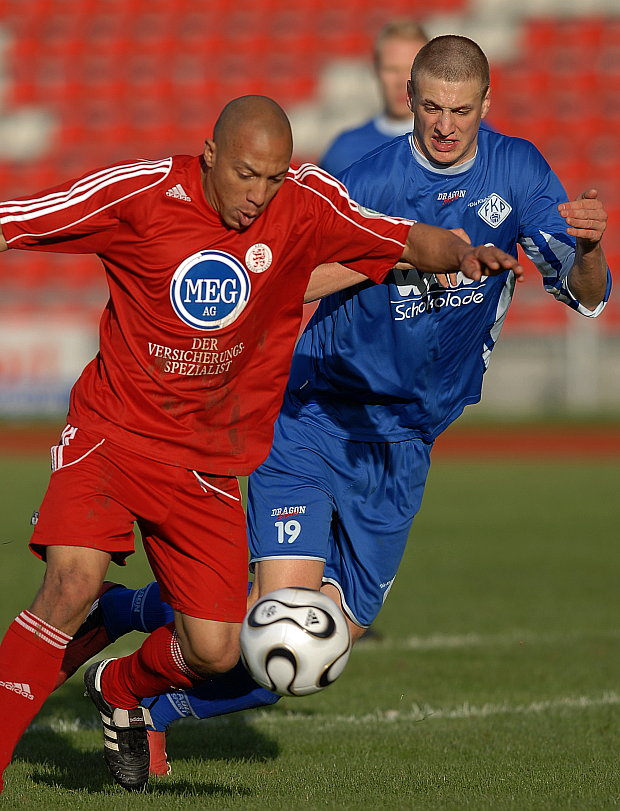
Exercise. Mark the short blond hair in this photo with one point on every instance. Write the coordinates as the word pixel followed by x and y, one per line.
pixel 400 28
pixel 453 59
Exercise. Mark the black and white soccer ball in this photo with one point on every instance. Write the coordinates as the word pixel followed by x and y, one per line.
pixel 295 641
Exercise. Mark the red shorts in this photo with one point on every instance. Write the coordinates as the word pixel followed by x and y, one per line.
pixel 192 524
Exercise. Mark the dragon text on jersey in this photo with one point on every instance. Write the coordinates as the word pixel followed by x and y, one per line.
pixel 210 289
pixel 420 293
pixel 446 197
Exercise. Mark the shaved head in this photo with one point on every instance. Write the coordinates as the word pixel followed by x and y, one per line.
pixel 256 113
pixel 247 160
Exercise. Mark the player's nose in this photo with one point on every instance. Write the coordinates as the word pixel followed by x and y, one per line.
pixel 257 193
pixel 445 123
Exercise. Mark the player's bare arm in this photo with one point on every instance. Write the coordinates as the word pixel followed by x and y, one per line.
pixel 434 250
pixel 429 249
pixel 586 219
pixel 3 243
pixel 329 278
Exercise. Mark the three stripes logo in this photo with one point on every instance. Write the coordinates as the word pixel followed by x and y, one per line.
pixel 179 193
pixel 22 689
pixel 311 618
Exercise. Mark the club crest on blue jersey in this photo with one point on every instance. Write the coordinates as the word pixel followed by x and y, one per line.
pixel 494 210
pixel 209 289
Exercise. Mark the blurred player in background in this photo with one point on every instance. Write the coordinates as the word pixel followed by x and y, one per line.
pixel 207 259
pixel 395 48
pixel 382 369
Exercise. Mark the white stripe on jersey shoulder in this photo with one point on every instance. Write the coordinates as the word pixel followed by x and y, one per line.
pixel 309 169
pixel 312 169
pixel 20 211
pixel 95 179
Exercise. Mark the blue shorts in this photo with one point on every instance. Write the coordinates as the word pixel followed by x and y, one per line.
pixel 348 503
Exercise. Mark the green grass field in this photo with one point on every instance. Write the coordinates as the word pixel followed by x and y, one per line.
pixel 495 684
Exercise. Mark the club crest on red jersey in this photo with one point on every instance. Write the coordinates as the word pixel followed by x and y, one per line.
pixel 209 289
pixel 259 258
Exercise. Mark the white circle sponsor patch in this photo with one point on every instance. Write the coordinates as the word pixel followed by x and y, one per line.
pixel 209 289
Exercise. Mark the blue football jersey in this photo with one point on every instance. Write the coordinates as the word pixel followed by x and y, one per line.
pixel 401 359
pixel 353 144
pixel 356 143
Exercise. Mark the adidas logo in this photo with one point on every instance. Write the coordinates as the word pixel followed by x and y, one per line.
pixel 19 688
pixel 311 618
pixel 179 193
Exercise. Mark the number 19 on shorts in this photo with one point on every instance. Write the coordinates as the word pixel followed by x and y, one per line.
pixel 288 531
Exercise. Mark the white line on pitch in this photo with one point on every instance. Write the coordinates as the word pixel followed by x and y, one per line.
pixel 451 641
pixel 475 640
pixel 426 712
pixel 415 713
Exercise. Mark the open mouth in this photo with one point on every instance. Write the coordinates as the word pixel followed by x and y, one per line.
pixel 444 144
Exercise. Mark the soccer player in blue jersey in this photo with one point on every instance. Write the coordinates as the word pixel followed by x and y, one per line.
pixel 381 370
pixel 395 47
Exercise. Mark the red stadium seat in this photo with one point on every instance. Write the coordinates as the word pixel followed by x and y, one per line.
pixel 142 78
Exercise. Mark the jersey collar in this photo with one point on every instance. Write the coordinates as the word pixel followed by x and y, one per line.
pixel 434 167
pixel 391 128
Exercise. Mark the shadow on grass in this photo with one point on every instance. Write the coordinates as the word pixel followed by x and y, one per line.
pixel 67 759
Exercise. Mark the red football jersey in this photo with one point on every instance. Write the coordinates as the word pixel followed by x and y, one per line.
pixel 197 337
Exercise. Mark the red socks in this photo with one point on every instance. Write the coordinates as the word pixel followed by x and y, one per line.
pixel 30 658
pixel 31 654
pixel 155 668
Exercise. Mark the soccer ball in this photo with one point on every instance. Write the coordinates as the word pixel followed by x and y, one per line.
pixel 295 641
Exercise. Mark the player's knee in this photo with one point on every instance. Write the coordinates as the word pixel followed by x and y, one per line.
pixel 206 657
pixel 66 595
pixel 356 631
pixel 226 661
pixel 71 587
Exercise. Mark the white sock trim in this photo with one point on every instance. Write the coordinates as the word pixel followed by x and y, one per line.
pixel 53 636
pixel 177 657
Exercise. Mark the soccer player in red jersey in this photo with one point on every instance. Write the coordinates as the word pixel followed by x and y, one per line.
pixel 207 259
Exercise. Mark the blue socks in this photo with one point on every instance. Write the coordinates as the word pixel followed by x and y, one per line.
pixel 230 692
pixel 125 610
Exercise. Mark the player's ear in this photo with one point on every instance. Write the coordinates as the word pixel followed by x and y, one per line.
pixel 209 152
pixel 486 102
pixel 410 94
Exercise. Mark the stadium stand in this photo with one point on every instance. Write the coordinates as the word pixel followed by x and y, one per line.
pixel 121 79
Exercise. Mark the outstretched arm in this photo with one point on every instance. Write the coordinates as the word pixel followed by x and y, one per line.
pixel 429 249
pixel 434 250
pixel 329 278
pixel 587 219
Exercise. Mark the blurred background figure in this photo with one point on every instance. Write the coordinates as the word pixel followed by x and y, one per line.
pixel 395 49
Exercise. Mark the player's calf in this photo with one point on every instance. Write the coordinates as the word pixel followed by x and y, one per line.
pixel 208 647
pixel 90 639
